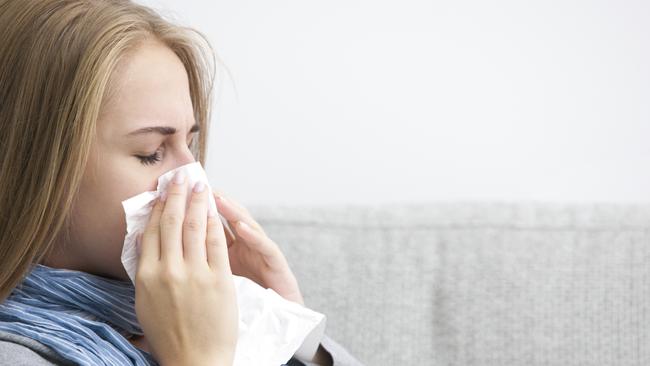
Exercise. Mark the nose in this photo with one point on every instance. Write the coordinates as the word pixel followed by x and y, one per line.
pixel 185 157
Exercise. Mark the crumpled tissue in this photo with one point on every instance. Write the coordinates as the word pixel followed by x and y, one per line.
pixel 271 328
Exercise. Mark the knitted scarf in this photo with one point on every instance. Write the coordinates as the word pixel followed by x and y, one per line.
pixel 84 318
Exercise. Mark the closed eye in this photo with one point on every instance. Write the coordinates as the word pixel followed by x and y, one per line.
pixel 155 157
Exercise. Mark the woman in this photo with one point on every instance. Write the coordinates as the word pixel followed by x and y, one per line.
pixel 98 99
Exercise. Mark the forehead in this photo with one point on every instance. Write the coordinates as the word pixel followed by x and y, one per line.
pixel 149 86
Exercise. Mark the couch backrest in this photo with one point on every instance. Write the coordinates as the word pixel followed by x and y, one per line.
pixel 475 283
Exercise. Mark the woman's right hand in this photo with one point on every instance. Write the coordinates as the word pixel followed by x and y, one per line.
pixel 185 296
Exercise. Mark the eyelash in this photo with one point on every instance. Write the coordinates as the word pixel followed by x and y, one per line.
pixel 153 158
pixel 150 159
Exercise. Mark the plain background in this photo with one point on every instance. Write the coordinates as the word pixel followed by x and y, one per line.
pixel 372 102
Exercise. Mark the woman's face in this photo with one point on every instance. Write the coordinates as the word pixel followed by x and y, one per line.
pixel 143 132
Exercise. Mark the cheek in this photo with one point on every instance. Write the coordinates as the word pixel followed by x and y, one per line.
pixel 126 181
pixel 118 175
pixel 137 185
pixel 153 183
pixel 97 227
pixel 100 205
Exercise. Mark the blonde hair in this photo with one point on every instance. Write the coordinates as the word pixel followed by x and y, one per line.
pixel 56 59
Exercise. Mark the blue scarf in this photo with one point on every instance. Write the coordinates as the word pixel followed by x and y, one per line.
pixel 84 318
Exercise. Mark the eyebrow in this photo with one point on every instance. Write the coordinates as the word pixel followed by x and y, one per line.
pixel 163 130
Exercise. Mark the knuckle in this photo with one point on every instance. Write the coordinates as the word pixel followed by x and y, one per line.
pixel 202 279
pixel 149 231
pixel 171 219
pixel 198 196
pixel 213 241
pixel 192 224
pixel 214 224
pixel 171 275
pixel 144 276
pixel 175 192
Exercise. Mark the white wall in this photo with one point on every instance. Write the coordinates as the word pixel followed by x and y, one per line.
pixel 408 101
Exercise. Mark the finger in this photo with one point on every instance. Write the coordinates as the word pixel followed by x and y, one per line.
pixel 216 246
pixel 228 230
pixel 150 238
pixel 231 238
pixel 254 239
pixel 195 224
pixel 233 212
pixel 171 220
pixel 221 196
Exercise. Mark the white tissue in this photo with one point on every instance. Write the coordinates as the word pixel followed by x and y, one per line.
pixel 271 328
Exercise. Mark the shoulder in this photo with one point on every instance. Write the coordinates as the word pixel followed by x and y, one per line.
pixel 16 350
pixel 18 355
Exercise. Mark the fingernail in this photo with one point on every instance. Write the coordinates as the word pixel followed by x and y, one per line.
pixel 211 211
pixel 199 187
pixel 221 198
pixel 179 177
pixel 243 225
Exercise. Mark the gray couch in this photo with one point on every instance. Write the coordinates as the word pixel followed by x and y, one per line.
pixel 475 283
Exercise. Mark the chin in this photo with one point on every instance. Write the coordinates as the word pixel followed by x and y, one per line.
pixel 122 275
pixel 114 273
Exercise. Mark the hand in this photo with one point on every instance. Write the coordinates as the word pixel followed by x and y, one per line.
pixel 183 275
pixel 253 254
